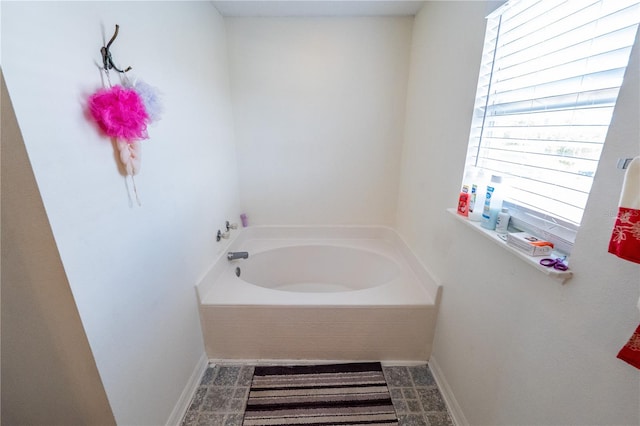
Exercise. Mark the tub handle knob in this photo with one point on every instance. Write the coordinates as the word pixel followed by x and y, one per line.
pixel 221 235
pixel 231 225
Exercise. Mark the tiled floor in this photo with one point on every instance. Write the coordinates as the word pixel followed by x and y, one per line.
pixel 416 396
pixel 223 391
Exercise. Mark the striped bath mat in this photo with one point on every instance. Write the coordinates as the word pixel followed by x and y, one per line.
pixel 338 394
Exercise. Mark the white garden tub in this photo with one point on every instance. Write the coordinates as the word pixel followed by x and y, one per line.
pixel 318 293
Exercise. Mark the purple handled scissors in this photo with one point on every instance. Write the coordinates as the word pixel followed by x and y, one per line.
pixel 555 263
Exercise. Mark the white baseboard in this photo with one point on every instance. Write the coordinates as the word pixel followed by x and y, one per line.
pixel 181 407
pixel 457 416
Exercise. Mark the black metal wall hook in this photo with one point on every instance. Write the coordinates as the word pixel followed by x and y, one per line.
pixel 107 60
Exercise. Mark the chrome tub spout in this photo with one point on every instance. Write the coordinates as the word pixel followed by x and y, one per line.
pixel 233 255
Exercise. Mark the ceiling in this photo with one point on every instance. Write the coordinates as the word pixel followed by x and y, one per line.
pixel 318 7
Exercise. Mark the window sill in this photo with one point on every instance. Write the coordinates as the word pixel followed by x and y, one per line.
pixel 533 261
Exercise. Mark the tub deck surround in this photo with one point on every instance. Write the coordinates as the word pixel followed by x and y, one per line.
pixel 392 318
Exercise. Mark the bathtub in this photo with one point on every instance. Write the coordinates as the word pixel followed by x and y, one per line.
pixel 318 293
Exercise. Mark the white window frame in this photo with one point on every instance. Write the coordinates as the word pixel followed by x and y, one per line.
pixel 561 232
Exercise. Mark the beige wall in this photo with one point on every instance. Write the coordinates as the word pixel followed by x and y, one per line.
pixel 319 117
pixel 49 376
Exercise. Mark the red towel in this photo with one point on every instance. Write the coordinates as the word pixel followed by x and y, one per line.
pixel 625 243
pixel 631 351
pixel 625 238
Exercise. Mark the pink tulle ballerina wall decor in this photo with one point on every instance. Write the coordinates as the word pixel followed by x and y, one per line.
pixel 122 112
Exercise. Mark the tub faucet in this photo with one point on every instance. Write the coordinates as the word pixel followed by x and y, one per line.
pixel 233 255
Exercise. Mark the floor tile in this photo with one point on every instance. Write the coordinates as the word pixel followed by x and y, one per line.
pixel 421 376
pixel 409 393
pixel 412 420
pixel 245 375
pixel 197 398
pixel 217 399
pixel 207 378
pixel 233 419
pixel 396 393
pixel 226 376
pixel 439 419
pixel 241 392
pixel 210 419
pixel 190 418
pixel 400 406
pixel 237 405
pixel 413 406
pixel 431 399
pixel 397 376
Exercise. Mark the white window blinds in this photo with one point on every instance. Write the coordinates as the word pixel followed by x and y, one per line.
pixel 549 79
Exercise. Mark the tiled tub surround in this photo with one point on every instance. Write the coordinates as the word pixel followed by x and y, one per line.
pixel 222 395
pixel 393 320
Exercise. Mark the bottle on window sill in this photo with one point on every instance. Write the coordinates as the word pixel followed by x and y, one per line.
pixel 502 222
pixel 492 203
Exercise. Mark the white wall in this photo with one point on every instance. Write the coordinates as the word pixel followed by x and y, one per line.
pixel 132 270
pixel 514 346
pixel 319 116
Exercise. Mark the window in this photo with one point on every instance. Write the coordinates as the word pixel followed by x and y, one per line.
pixel 549 78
